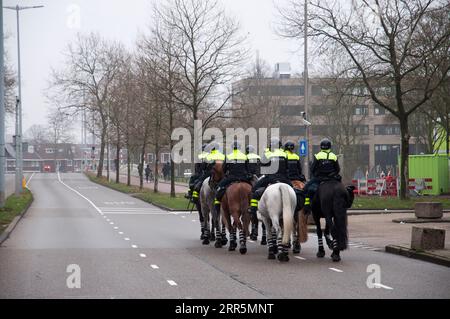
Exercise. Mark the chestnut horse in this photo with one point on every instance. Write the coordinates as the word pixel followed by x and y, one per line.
pixel 234 205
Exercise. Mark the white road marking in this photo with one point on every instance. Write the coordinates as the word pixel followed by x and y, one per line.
pixel 134 246
pixel 111 223
pixel 154 266
pixel 336 270
pixel 298 257
pixel 183 216
pixel 193 220
pixel 29 180
pixel 77 192
pixel 115 227
pixel 382 286
pixel 143 255
pixel 126 238
pixel 172 283
pixel 121 233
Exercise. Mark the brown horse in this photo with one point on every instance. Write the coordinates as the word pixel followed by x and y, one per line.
pixel 235 204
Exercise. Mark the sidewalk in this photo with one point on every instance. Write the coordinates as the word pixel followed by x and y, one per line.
pixel 379 231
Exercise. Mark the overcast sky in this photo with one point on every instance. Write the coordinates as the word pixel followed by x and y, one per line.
pixel 45 33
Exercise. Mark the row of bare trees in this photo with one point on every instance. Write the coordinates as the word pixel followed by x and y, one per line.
pixel 178 72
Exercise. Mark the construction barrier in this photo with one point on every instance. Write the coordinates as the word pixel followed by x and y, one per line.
pixel 420 184
pixel 376 186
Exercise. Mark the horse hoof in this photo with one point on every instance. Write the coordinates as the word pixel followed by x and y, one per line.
pixel 231 248
pixel 263 241
pixel 335 257
pixel 205 241
pixel 243 250
pixel 271 256
pixel 224 242
pixel 253 237
pixel 296 250
pixel 320 254
pixel 283 257
pixel 218 244
pixel 213 238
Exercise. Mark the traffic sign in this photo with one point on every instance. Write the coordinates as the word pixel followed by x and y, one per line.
pixel 303 148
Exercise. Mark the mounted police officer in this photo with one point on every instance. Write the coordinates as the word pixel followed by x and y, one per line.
pixel 199 171
pixel 325 166
pixel 235 169
pixel 276 164
pixel 294 164
pixel 254 161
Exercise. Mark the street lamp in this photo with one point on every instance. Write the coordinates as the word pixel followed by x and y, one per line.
pixel 19 159
pixel 2 113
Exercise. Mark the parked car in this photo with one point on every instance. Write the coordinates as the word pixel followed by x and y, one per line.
pixel 47 168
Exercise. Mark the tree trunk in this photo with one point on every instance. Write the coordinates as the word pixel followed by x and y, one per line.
pixel 172 164
pixel 128 166
pixel 102 154
pixel 155 182
pixel 118 163
pixel 404 172
pixel 141 168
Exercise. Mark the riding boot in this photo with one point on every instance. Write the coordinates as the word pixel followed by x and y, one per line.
pixel 253 209
pixel 217 205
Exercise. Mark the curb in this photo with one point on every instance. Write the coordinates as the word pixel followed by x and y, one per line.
pixel 424 256
pixel 7 232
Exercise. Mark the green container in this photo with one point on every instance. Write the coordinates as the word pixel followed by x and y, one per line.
pixel 433 166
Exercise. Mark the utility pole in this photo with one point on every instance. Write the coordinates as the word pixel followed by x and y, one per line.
pixel 306 92
pixel 19 159
pixel 2 112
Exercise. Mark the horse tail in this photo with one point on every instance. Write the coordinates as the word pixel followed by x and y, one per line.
pixel 340 219
pixel 288 218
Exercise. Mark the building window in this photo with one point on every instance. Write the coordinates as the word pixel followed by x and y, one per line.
pixel 362 129
pixel 361 110
pixel 292 130
pixel 49 150
pixel 165 157
pixel 392 129
pixel 69 163
pixel 291 110
pixel 378 110
pixel 279 90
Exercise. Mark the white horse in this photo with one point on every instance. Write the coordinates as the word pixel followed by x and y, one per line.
pixel 278 202
pixel 211 218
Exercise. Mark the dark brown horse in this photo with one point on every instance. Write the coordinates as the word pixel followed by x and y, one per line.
pixel 234 205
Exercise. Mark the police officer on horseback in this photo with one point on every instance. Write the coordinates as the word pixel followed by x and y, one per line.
pixel 235 169
pixel 294 164
pixel 199 172
pixel 254 161
pixel 325 167
pixel 214 155
pixel 275 160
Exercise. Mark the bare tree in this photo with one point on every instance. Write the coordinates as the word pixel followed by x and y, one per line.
pixel 209 51
pixel 10 84
pixel 37 134
pixel 59 126
pixel 390 46
pixel 91 67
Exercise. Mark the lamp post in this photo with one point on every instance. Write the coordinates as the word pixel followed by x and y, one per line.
pixel 19 159
pixel 308 139
pixel 306 89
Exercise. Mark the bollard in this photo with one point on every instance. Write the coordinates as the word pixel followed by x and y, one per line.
pixel 423 238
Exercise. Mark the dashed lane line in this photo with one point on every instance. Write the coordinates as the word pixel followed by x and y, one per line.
pixel 172 283
pixel 126 238
pixel 298 257
pixel 336 270
pixel 154 266
pixel 383 286
pixel 29 180
pixel 143 255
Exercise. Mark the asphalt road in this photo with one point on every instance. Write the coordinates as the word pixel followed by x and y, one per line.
pixel 126 248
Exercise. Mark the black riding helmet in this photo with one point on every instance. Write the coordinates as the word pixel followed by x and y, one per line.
pixel 289 146
pixel 275 143
pixel 325 144
pixel 249 149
